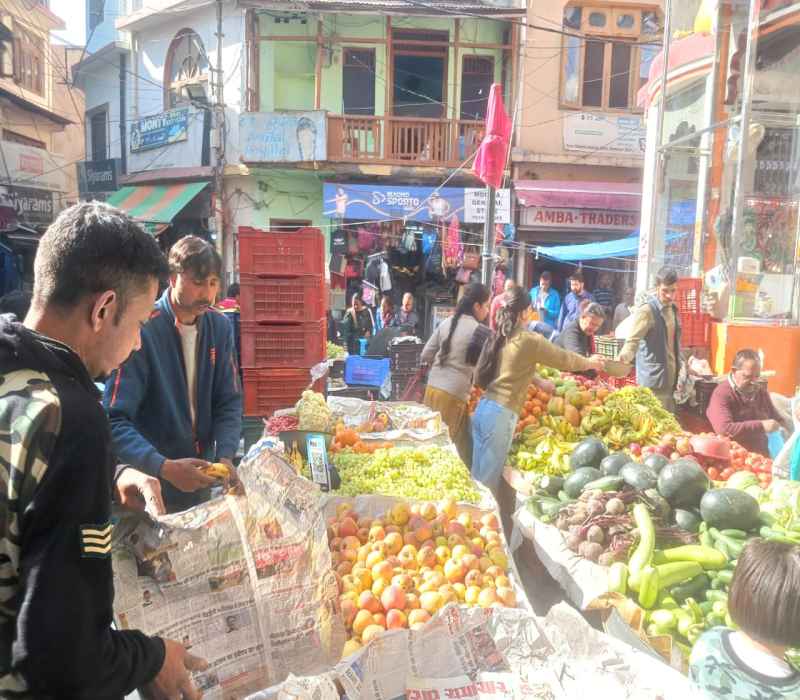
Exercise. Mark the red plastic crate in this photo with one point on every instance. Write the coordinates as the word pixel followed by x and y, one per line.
pixel 617 382
pixel 688 295
pixel 282 299
pixel 301 345
pixel 695 330
pixel 267 390
pixel 282 254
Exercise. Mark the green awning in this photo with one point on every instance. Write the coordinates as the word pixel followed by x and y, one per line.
pixel 156 204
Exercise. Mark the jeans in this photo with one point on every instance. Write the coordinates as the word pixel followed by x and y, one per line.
pixel 492 432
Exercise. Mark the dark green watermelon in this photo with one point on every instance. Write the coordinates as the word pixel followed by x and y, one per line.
pixel 611 465
pixel 588 453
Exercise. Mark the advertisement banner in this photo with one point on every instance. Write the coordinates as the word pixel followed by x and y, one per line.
pixel 605 134
pixel 32 167
pixel 160 129
pixel 385 202
pixel 283 137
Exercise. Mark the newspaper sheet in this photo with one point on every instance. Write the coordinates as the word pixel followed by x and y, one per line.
pixel 245 582
pixel 559 656
pixel 407 420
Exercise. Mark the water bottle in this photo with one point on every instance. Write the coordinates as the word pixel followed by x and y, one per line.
pixel 362 346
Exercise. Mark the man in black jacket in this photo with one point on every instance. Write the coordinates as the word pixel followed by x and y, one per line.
pixel 96 276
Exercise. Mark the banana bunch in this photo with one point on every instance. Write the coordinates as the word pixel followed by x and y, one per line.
pixel 560 427
pixel 217 470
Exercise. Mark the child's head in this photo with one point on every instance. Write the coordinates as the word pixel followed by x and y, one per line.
pixel 764 597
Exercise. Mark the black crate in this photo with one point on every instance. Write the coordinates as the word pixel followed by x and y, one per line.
pixel 405 357
pixel 401 380
pixel 702 394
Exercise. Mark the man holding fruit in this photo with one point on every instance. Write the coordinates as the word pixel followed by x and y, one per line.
pixel 176 405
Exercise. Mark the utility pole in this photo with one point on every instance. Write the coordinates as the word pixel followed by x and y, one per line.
pixel 219 129
pixel 488 239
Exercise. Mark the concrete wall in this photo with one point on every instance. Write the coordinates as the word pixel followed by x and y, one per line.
pixel 102 88
pixel 105 32
pixel 68 101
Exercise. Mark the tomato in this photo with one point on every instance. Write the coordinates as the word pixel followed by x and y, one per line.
pixel 726 474
pixel 713 473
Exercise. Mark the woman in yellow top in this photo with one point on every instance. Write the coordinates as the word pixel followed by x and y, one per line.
pixel 505 369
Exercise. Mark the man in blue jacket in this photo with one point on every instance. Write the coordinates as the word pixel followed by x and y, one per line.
pixel 571 309
pixel 547 302
pixel 176 405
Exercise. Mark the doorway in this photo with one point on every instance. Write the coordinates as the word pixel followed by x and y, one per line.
pixel 419 71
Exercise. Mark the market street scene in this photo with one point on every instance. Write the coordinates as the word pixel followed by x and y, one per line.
pixel 380 349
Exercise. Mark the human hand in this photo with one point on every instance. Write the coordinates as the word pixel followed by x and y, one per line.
pixel 233 480
pixel 770 426
pixel 173 680
pixel 545 385
pixel 139 491
pixel 597 363
pixel 185 474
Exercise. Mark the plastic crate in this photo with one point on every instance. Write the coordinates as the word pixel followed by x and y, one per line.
pixel 688 295
pixel 702 394
pixel 695 330
pixel 282 299
pixel 267 390
pixel 365 371
pixel 301 345
pixel 405 356
pixel 617 382
pixel 608 346
pixel 282 254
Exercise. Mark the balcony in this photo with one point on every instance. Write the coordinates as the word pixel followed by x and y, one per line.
pixel 409 141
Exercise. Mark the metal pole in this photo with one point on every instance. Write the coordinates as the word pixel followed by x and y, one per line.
pixel 219 166
pixel 488 239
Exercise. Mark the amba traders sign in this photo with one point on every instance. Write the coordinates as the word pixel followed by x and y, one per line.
pixel 552 217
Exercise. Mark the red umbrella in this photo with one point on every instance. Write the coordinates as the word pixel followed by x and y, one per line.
pixel 490 161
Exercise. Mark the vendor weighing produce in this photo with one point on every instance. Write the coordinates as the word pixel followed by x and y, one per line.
pixel 176 405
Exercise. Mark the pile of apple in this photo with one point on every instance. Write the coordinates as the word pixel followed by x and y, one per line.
pixel 396 571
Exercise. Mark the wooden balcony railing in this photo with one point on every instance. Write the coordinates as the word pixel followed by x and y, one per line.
pixel 402 140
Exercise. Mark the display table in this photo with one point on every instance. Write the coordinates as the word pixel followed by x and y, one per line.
pixel 780 345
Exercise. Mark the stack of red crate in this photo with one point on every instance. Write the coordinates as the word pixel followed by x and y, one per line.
pixel 695 325
pixel 283 307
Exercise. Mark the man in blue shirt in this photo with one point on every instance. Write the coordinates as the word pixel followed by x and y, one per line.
pixel 572 302
pixel 547 302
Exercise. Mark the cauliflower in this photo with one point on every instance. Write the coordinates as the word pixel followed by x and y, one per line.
pixel 312 412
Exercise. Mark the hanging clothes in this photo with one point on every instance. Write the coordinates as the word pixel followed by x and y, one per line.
pixel 453 249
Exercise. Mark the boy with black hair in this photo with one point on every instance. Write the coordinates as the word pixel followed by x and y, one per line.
pixel 176 405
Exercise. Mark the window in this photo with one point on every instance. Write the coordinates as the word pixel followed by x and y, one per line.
pixel 186 70
pixel 96 13
pixel 358 81
pixel 476 79
pixel 606 69
pixel 419 72
pixel 29 60
pixel 14 137
pixel 98 133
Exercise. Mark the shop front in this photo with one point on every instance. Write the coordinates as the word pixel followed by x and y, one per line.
pixel 395 239
pixel 570 213
pixel 721 166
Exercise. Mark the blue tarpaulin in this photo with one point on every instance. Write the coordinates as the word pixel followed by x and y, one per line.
pixel 618 248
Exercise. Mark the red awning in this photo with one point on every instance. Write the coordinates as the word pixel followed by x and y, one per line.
pixel 570 194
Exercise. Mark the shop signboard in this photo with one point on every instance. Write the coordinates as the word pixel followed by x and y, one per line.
pixel 187 147
pixel 29 166
pixel 160 130
pixel 556 217
pixel 34 207
pixel 283 137
pixel 98 175
pixel 411 203
pixel 605 134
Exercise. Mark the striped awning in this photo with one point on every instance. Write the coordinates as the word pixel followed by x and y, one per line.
pixel 155 204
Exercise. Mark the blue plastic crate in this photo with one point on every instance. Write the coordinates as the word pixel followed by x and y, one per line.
pixel 364 371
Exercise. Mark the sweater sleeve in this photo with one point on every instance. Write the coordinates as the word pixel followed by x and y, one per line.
pixel 544 352
pixel 431 348
pixel 122 399
pixel 720 414
pixel 640 327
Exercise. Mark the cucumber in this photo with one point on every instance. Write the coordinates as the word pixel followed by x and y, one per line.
pixel 714 596
pixel 551 484
pixel 691 589
pixel 606 483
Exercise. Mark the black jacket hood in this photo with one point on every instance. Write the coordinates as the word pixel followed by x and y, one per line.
pixel 22 346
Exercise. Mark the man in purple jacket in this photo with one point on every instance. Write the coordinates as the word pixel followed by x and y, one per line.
pixel 740 407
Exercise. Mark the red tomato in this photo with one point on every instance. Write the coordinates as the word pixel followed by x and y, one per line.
pixel 726 474
pixel 713 473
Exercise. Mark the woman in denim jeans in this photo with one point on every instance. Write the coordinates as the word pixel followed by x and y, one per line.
pixel 505 369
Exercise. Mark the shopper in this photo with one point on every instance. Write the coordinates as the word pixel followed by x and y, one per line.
pixel 356 324
pixel 385 318
pixel 547 301
pixel 452 351
pixel 750 662
pixel 505 369
pixel 740 406
pixel 499 302
pixel 176 405
pixel 572 302
pixel 577 335
pixel 625 307
pixel 96 274
pixel 407 315
pixel 604 293
pixel 654 340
